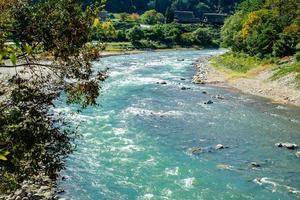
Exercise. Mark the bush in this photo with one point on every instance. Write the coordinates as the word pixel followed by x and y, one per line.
pixel 287 42
pixel 187 39
pixel 152 17
pixel 297 56
pixel 203 37
pixel 121 35
pixel 172 34
pixel 231 30
pixel 134 35
pixel 103 31
pixel 155 33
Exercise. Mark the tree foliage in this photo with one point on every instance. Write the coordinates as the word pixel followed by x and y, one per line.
pixel 261 29
pixel 152 17
pixel 198 6
pixel 47 43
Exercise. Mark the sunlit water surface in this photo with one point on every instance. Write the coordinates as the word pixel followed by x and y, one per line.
pixel 137 143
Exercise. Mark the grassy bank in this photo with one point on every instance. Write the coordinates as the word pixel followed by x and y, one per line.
pixel 242 65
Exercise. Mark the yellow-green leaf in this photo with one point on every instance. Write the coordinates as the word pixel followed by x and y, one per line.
pixel 28 49
pixel 13 58
pixel 2 157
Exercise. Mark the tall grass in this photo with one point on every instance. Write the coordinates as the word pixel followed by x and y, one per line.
pixel 239 62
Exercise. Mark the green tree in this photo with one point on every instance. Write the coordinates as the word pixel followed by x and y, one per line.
pixel 152 17
pixel 230 32
pixel 59 30
pixel 103 31
pixel 203 37
pixel 250 5
pixel 135 34
pixel 172 34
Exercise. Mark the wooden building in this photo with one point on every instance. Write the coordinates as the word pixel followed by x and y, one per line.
pixel 214 18
pixel 185 17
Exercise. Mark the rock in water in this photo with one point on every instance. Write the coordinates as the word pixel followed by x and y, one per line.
pixel 185 88
pixel 254 164
pixel 219 146
pixel 224 166
pixel 196 150
pixel 209 102
pixel 278 144
pixel 297 154
pixel 287 145
pixel 220 97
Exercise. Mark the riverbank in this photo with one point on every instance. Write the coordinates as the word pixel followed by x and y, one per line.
pixel 137 51
pixel 257 81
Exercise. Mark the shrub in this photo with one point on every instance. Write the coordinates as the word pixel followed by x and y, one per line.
pixel 203 36
pixel 135 34
pixel 152 17
pixel 231 30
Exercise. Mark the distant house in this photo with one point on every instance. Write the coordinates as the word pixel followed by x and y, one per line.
pixel 185 17
pixel 214 18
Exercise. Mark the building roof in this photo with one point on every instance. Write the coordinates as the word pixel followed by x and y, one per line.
pixel 185 17
pixel 217 18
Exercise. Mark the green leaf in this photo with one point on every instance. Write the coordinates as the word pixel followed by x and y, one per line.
pixel 3 53
pixel 3 154
pixel 13 58
pixel 2 157
pixel 28 49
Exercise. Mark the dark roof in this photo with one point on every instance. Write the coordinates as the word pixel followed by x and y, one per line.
pixel 215 14
pixel 185 17
pixel 217 18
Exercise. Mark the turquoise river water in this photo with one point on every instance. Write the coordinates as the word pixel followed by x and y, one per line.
pixel 137 143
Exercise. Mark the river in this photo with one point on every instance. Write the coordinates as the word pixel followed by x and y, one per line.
pixel 137 143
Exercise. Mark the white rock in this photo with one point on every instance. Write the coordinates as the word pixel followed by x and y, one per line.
pixel 219 146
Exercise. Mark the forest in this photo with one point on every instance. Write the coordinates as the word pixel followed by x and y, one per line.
pixel 198 6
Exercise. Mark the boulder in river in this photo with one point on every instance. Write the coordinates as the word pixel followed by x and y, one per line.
pixel 204 92
pixel 254 165
pixel 224 167
pixel 297 154
pixel 180 59
pixel 183 79
pixel 209 102
pixel 162 82
pixel 219 146
pixel 287 145
pixel 196 150
pixel 185 88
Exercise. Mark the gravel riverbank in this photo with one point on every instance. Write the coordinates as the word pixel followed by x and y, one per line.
pixel 282 91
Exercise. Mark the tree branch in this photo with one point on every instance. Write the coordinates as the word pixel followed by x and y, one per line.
pixel 29 64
